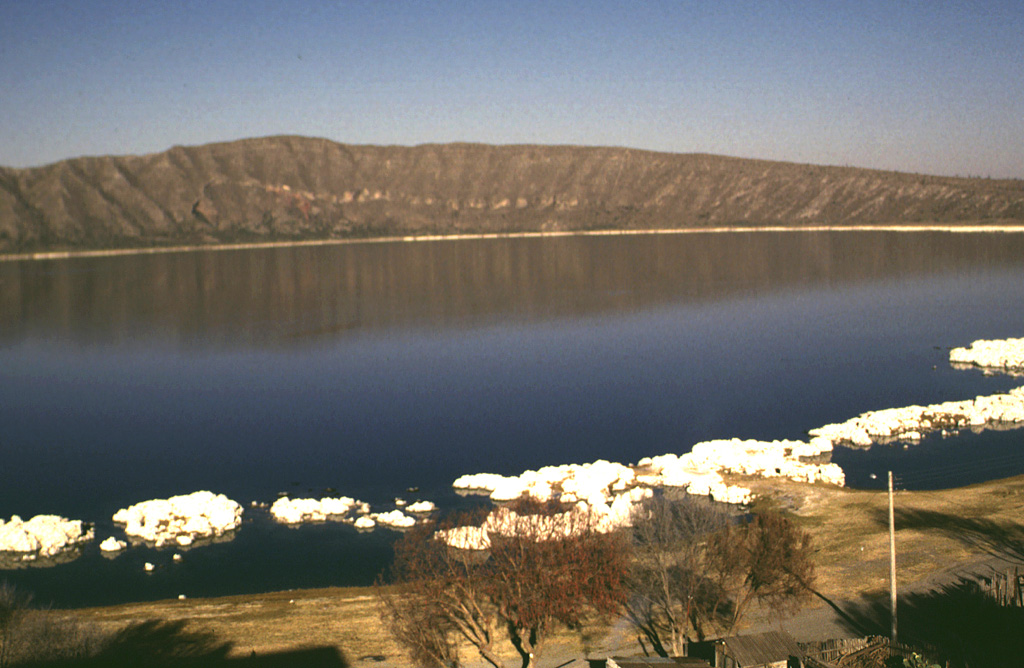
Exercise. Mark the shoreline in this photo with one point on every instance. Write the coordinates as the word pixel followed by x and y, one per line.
pixel 936 544
pixel 811 502
pixel 116 252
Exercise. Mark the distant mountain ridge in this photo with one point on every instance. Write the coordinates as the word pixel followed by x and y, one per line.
pixel 297 188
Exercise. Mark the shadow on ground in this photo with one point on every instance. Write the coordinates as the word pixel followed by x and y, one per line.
pixel 958 623
pixel 161 644
pixel 1001 539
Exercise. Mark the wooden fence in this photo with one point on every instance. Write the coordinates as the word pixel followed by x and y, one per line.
pixel 1007 588
pixel 838 652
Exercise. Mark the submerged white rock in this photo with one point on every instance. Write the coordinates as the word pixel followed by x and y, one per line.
pixel 1001 354
pixel 296 511
pixel 43 535
pixel 181 519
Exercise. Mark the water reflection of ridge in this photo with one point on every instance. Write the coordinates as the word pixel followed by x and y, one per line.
pixel 302 294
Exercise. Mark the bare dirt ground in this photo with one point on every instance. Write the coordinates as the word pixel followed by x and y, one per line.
pixel 940 534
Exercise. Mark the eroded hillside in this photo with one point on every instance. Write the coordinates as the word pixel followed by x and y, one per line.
pixel 283 188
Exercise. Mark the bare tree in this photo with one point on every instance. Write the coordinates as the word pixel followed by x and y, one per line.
pixel 766 559
pixel 542 569
pixel 667 581
pixel 697 569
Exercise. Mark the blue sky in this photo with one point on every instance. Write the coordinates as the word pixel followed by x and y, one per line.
pixel 934 87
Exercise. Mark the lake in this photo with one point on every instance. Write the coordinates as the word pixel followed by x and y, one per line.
pixel 375 368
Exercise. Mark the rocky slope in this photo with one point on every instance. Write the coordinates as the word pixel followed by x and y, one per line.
pixel 282 188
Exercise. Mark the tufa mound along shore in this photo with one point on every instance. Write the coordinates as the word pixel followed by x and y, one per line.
pixel 605 491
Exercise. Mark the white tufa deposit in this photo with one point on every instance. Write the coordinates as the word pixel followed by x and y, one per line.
pixel 181 519
pixel 1005 355
pixel 42 536
pixel 111 544
pixel 297 511
pixel 365 522
pixel 911 423
pixel 602 518
pixel 394 519
pixel 421 507
pixel 594 482
pixel 699 471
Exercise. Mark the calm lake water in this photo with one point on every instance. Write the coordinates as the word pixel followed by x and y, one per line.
pixel 373 368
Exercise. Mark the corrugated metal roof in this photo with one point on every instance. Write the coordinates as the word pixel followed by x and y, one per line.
pixel 761 648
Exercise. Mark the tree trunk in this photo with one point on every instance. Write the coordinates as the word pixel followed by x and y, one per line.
pixel 525 642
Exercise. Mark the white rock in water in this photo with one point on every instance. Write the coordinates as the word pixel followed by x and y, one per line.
pixel 700 470
pixel 695 474
pixel 1003 354
pixel 395 518
pixel 595 482
pixel 296 511
pixel 365 522
pixel 181 519
pixel 482 482
pixel 148 567
pixel 766 459
pixel 43 535
pixel 421 507
pixel 619 513
pixel 111 544
pixel 910 423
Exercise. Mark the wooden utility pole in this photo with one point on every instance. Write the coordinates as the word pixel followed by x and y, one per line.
pixel 892 560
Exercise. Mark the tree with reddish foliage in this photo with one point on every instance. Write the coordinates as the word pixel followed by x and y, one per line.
pixel 542 569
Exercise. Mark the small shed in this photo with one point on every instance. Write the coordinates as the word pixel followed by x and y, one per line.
pixel 774 649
